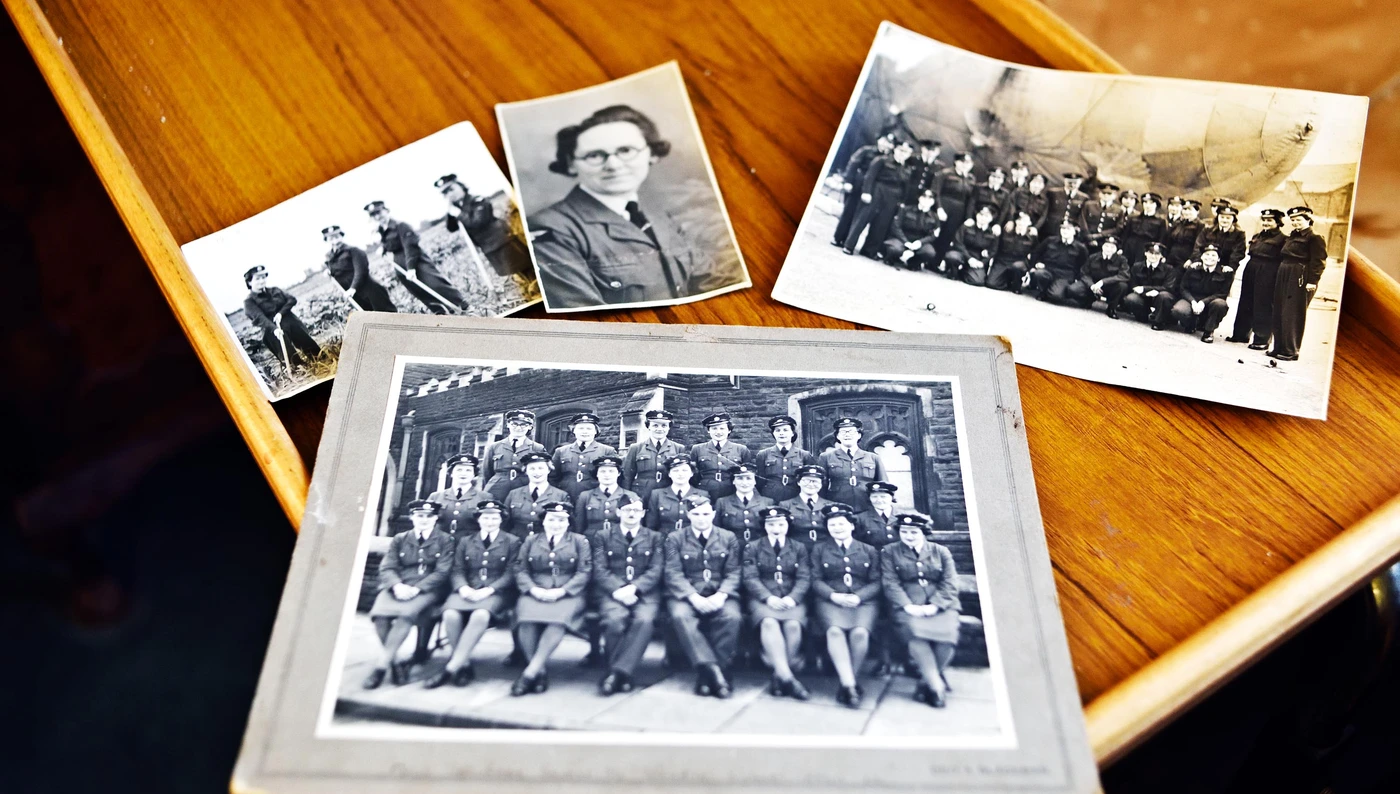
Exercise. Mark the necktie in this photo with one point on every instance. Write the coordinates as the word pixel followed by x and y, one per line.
pixel 459 493
pixel 551 542
pixel 884 518
pixel 744 500
pixel 812 504
pixel 534 494
pixel 639 219
pixel 777 547
pixel 782 450
pixel 513 444
pixel 607 493
pixel 630 537
pixel 486 539
pixel 582 446
pixel 421 537
pixel 719 448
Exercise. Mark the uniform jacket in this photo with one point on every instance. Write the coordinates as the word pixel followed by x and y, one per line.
pixel 1267 245
pixel 1145 229
pixel 831 565
pixel 594 512
pixel 742 520
pixel 954 195
pixel 458 515
pixel 261 307
pixel 1037 205
pixel 705 568
pixel 573 470
pixel 807 523
pixel 847 474
pixel 1095 268
pixel 643 465
pixel 665 511
pixel 1099 221
pixel 477 565
pixel 926 577
pixel 500 470
pixel 886 171
pixel 1161 277
pixel 1181 240
pixel 1064 205
pixel 478 218
pixel 524 512
pixel 999 200
pixel 401 242
pixel 767 573
pixel 1231 244
pixel 875 531
pixel 349 266
pixel 589 255
pixel 975 243
pixel 1199 284
pixel 777 470
pixel 568 565
pixel 1307 247
pixel 1018 247
pixel 1063 260
pixel 912 223
pixel 426 565
pixel 712 465
pixel 861 159
pixel 923 177
pixel 617 563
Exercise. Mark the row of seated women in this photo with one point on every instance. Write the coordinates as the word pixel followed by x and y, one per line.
pixel 709 583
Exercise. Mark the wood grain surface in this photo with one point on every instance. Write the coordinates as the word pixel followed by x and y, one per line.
pixel 1162 513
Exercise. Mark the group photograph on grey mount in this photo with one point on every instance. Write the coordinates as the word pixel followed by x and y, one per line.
pixel 1173 235
pixel 598 534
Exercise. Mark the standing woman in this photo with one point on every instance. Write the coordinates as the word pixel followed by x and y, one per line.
pixel 502 471
pixel 483 590
pixel 552 573
pixel 491 235
pixel 880 195
pixel 920 583
pixel 1265 250
pixel 413 578
pixel 1143 229
pixel 458 501
pixel 270 309
pixel 1301 264
pixel 776 578
pixel 846 597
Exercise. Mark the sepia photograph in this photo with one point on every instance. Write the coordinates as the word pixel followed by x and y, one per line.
pixel 1179 236
pixel 619 199
pixel 725 553
pixel 431 228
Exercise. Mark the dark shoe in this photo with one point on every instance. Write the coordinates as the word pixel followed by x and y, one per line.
pixel 848 251
pixel 1236 339
pixel 522 686
pixel 1282 357
pixel 464 676
pixel 593 659
pixel 880 669
pixel 541 684
pixel 1158 327
pixel 936 699
pixel 374 679
pixel 436 680
pixel 1111 313
pixel 719 685
pixel 624 682
pixel 398 674
pixel 1208 338
pixel 797 691
pixel 776 687
pixel 849 696
pixel 860 691
pixel 704 684
pixel 1259 346
pixel 921 693
pixel 610 684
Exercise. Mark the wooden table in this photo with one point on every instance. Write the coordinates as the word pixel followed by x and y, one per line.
pixel 1187 537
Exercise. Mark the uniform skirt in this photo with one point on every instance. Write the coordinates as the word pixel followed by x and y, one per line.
pixel 567 611
pixel 497 604
pixel 757 611
pixel 386 606
pixel 830 615
pixel 942 627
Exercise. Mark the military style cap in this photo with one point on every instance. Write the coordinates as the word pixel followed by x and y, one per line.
pixel 520 413
pixel 1227 210
pixel 1156 248
pixel 986 208
pixel 630 498
pixel 927 194
pixel 782 420
pixel 1110 239
pixel 1106 187
pixel 532 457
pixel 659 414
pixel 743 469
pixel 556 507
pixel 997 170
pixel 1072 175
pixel 1020 164
pixel 911 520
pixel 444 181
pixel 490 504
pixel 774 512
pixel 584 418
pixel 717 419
pixel 1220 201
pixel 678 460
pixel 847 421
pixel 1211 249
pixel 695 499
pixel 1132 193
pixel 1069 224
pixel 811 471
pixel 461 457
pixel 375 206
pixel 607 460
pixel 329 230
pixel 1155 198
pixel 253 271
pixel 837 510
pixel 929 143
pixel 881 487
pixel 962 156
pixel 424 506
pixel 1271 213
pixel 1300 211
pixel 1175 200
pixel 1191 203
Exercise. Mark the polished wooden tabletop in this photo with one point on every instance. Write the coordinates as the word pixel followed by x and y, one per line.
pixel 1169 520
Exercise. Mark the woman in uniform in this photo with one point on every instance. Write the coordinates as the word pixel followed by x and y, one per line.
pixel 920 585
pixel 1265 250
pixel 597 509
pixel 846 598
pixel 491 235
pixel 483 590
pixel 1144 228
pixel 525 505
pixel 1302 262
pixel 413 578
pixel 776 578
pixel 501 471
pixel 270 309
pixel 459 500
pixel 552 573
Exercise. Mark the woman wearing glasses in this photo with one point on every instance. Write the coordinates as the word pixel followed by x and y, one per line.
pixel 603 243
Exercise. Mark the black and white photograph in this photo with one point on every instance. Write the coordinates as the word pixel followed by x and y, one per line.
pixel 694 552
pixel 431 228
pixel 1180 236
pixel 618 196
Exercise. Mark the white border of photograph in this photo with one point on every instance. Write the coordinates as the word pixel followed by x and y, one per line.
pixel 327 728
pixel 674 68
pixel 915 312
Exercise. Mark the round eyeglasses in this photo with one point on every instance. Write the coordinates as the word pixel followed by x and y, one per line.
pixel 597 157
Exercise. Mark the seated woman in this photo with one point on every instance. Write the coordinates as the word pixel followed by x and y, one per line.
pixel 776 578
pixel 413 578
pixel 483 590
pixel 846 597
pixel 920 583
pixel 552 572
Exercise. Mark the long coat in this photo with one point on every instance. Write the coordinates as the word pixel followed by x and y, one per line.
pixel 573 469
pixel 262 307
pixel 1303 261
pixel 349 266
pixel 589 255
pixel 401 243
pixel 492 236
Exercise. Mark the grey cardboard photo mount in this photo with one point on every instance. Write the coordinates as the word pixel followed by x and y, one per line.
pixel 285 750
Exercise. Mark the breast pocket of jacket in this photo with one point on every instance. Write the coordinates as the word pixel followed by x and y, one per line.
pixel 867 468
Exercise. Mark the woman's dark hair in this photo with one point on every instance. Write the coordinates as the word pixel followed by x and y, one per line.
pixel 567 138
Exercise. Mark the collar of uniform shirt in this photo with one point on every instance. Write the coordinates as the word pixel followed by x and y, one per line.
pixel 918 546
pixel 701 536
pixel 425 534
pixel 617 204
pixel 489 537
pixel 554 538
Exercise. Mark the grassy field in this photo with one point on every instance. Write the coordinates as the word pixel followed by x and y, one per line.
pixel 322 307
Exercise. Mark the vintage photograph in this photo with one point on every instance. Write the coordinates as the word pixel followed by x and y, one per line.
pixel 1179 236
pixel 690 552
pixel 431 228
pixel 619 197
